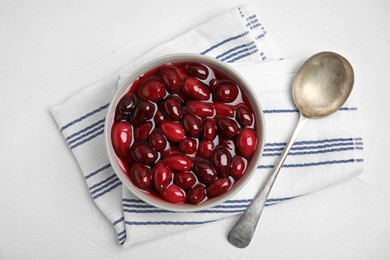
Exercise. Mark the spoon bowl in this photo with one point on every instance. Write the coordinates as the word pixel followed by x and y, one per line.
pixel 321 87
pixel 323 84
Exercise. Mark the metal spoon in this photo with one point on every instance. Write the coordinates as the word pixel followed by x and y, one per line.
pixel 320 88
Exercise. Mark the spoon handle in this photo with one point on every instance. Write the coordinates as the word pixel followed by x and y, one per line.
pixel 242 232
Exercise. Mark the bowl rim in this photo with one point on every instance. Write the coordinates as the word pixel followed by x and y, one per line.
pixel 185 57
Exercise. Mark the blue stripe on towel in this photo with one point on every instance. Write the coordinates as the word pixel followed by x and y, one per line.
pixel 234 49
pixel 86 134
pixel 87 139
pixel 118 221
pixel 97 171
pixel 115 180
pixel 85 129
pixel 315 141
pixel 300 148
pixel 224 41
pixel 84 116
pixel 342 149
pixel 107 190
pixel 300 165
pixel 174 223
pixel 102 182
pixel 239 52
pixel 243 56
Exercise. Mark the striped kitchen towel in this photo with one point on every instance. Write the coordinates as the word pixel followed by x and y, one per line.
pixel 324 155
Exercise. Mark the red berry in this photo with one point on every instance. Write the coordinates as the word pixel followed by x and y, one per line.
pixel 142 131
pixel 188 145
pixel 172 130
pixel 224 110
pixel 162 176
pixel 178 162
pixel 197 70
pixel 121 136
pixel 204 170
pixel 142 152
pixel 140 175
pixel 209 129
pixel 171 108
pixel 152 89
pixel 172 150
pixel 221 160
pixel 157 140
pixel 228 144
pixel 185 180
pixel 125 107
pixel 244 116
pixel 200 109
pixel 143 111
pixel 195 90
pixel 226 92
pixel 246 142
pixel 219 186
pixel 173 194
pixel 158 117
pixel 205 149
pixel 227 127
pixel 238 167
pixel 191 125
pixel 196 194
pixel 171 78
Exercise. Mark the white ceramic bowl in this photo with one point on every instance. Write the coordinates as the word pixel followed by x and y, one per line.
pixel 184 57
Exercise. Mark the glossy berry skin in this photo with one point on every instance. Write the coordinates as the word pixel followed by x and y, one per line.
pixel 227 127
pixel 195 90
pixel 244 116
pixel 157 140
pixel 221 160
pixel 140 175
pixel 173 131
pixel 209 129
pixel 188 145
pixel 185 180
pixel 192 125
pixel 171 78
pixel 158 117
pixel 237 167
pixel 219 186
pixel 121 136
pixel 197 70
pixel 246 142
pixel 226 92
pixel 205 149
pixel 171 108
pixel 142 131
pixel 204 171
pixel 125 107
pixel 196 194
pixel 143 111
pixel 178 162
pixel 174 194
pixel 224 110
pixel 153 90
pixel 143 153
pixel 162 176
pixel 200 108
pixel 168 152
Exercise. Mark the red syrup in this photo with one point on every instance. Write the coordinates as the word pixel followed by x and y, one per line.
pixel 185 132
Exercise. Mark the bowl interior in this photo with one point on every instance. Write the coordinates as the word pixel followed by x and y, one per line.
pixel 125 87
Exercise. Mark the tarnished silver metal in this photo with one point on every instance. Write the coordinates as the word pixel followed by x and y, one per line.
pixel 321 87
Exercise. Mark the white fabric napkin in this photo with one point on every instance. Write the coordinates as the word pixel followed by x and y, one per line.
pixel 323 155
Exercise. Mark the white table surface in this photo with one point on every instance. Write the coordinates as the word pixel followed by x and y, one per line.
pixel 52 49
